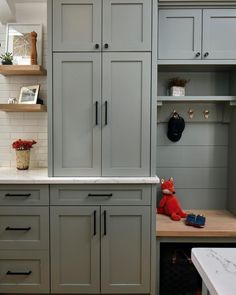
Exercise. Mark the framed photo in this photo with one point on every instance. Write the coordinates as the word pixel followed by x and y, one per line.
pixel 29 95
pixel 18 42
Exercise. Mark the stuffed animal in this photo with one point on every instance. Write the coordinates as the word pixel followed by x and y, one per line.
pixel 169 204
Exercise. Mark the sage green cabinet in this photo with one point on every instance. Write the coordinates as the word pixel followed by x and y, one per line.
pixel 197 34
pixel 77 118
pixel 125 249
pixel 101 125
pixel 80 25
pixel 100 249
pixel 75 250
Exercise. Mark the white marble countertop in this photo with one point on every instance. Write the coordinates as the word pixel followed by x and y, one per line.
pixel 217 267
pixel 40 176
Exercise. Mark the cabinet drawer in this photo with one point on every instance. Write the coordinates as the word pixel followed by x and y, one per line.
pixel 24 272
pixel 100 194
pixel 24 195
pixel 24 228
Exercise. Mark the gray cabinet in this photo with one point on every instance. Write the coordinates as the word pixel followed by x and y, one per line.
pixel 197 34
pixel 80 25
pixel 125 250
pixel 77 118
pixel 100 248
pixel 179 33
pixel 75 250
pixel 126 124
pixel 119 116
pixel 219 27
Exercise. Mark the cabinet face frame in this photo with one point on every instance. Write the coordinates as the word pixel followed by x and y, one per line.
pixel 180 15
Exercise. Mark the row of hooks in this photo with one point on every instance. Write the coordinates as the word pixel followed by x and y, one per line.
pixel 206 113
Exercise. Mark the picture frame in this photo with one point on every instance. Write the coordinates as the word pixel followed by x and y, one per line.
pixel 29 94
pixel 18 42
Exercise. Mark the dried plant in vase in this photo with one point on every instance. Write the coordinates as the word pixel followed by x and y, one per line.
pixel 23 148
pixel 176 86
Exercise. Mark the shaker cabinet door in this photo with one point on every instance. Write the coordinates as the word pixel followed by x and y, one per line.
pixel 127 25
pixel 75 250
pixel 76 115
pixel 180 34
pixel 76 25
pixel 126 114
pixel 125 250
pixel 219 28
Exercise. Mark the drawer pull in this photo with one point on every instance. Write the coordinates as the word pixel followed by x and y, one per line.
pixel 100 195
pixel 19 273
pixel 105 223
pixel 18 228
pixel 95 222
pixel 18 195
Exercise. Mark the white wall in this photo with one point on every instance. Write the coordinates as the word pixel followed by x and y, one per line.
pixel 24 125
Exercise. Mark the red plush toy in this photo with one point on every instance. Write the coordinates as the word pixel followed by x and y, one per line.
pixel 169 204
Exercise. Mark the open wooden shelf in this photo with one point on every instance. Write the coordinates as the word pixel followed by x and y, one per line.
pixel 23 70
pixel 23 108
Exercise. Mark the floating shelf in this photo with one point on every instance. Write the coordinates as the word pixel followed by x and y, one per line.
pixel 23 70
pixel 23 108
pixel 176 99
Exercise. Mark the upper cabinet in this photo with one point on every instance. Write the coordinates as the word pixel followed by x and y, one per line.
pixel 197 34
pixel 95 25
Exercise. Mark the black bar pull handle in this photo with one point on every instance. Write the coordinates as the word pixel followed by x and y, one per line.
pixel 95 222
pixel 106 45
pixel 106 112
pixel 96 112
pixel 100 195
pixel 105 223
pixel 17 228
pixel 18 273
pixel 18 195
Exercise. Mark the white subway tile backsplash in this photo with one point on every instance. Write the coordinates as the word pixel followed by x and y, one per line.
pixel 15 126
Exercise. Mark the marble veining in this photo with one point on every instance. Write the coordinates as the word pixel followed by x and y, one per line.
pixel 40 176
pixel 217 267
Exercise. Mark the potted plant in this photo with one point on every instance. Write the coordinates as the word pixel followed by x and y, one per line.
pixel 6 58
pixel 176 86
pixel 22 148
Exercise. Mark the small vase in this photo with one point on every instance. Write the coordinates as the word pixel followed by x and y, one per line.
pixel 22 159
pixel 7 63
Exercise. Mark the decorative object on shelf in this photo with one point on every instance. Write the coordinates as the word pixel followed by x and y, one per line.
pixel 176 127
pixel 22 148
pixel 169 204
pixel 19 42
pixel 176 86
pixel 196 221
pixel 6 58
pixel 29 94
pixel 12 100
pixel 33 48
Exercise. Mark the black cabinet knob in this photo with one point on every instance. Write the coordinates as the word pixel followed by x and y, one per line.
pixel 197 54
pixel 97 46
pixel 206 54
pixel 106 45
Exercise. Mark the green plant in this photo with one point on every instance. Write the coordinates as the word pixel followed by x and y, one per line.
pixel 177 82
pixel 7 57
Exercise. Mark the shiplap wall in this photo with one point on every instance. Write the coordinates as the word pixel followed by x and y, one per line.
pixel 198 163
pixel 24 125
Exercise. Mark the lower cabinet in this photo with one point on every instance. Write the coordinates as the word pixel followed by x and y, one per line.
pixel 100 249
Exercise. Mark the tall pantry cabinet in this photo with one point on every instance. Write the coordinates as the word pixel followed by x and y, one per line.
pixel 101 88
